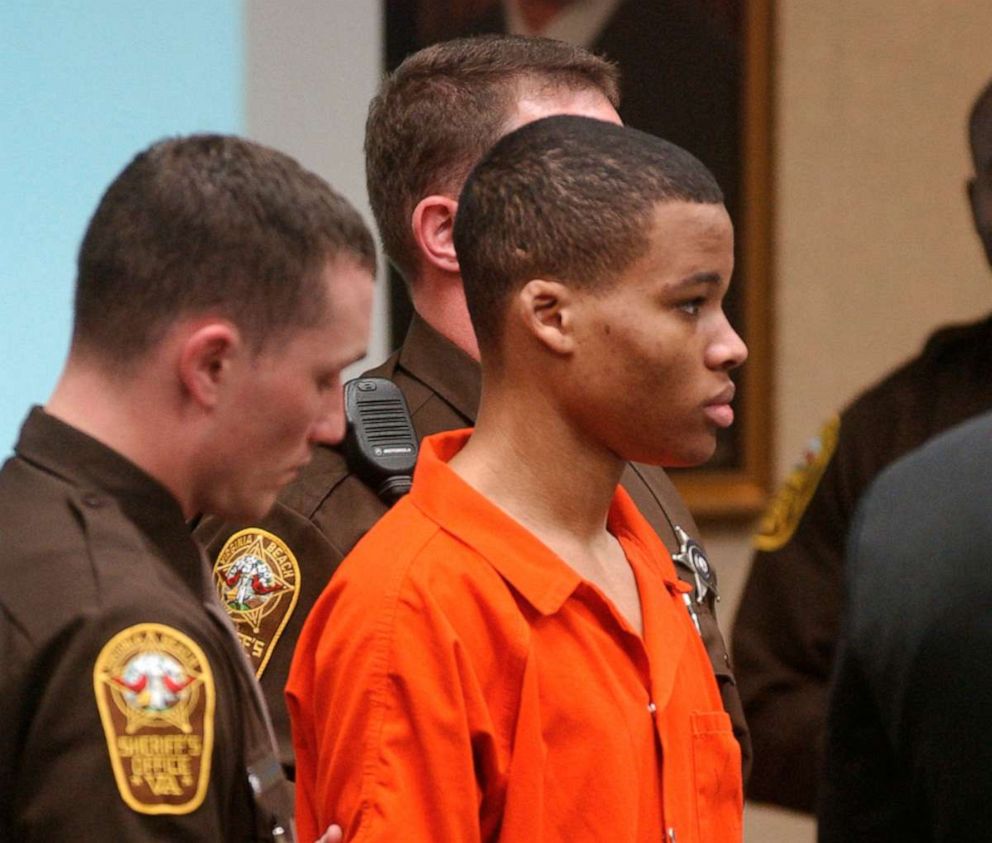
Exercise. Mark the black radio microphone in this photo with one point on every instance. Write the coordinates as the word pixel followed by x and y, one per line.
pixel 380 443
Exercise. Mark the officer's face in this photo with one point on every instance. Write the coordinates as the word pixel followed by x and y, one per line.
pixel 289 398
pixel 654 350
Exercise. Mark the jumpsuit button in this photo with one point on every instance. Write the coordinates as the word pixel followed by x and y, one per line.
pixel 672 836
pixel 652 707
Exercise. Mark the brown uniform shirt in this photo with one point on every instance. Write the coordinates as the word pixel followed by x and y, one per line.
pixel 319 519
pixel 786 628
pixel 128 711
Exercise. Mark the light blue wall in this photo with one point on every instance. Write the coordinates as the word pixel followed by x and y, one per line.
pixel 85 84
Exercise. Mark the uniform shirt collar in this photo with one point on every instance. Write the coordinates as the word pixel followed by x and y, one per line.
pixel 531 567
pixel 98 470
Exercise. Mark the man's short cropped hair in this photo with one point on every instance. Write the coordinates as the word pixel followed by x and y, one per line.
pixel 569 199
pixel 209 223
pixel 445 105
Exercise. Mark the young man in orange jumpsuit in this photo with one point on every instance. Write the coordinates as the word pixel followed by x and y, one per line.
pixel 523 667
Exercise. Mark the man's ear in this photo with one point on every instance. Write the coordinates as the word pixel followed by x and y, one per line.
pixel 433 224
pixel 206 357
pixel 547 312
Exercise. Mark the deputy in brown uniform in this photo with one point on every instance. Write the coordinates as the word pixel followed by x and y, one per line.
pixel 433 118
pixel 786 629
pixel 221 289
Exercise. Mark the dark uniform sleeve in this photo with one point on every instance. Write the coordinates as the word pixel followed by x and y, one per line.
pixel 90 767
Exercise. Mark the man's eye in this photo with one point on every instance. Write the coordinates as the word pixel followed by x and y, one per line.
pixel 692 307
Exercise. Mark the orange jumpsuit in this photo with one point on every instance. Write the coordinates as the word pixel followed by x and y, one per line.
pixel 457 681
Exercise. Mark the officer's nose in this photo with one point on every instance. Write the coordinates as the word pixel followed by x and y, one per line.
pixel 329 428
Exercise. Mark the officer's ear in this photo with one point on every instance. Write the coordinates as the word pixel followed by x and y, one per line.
pixel 433 223
pixel 209 352
pixel 546 310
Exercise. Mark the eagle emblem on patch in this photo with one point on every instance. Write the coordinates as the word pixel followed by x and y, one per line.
pixel 156 698
pixel 257 579
pixel 787 507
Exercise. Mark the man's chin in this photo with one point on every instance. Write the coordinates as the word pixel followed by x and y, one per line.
pixel 685 455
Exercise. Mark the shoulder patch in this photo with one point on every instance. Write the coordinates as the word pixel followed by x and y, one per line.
pixel 257 579
pixel 156 697
pixel 787 507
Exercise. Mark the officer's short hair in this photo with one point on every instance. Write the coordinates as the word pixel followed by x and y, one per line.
pixel 209 223
pixel 569 199
pixel 980 132
pixel 447 104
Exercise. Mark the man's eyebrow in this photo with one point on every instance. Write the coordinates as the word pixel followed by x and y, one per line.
pixel 697 278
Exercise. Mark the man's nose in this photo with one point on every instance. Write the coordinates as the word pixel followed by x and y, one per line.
pixel 329 428
pixel 728 351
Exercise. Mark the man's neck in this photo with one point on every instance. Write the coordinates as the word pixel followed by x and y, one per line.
pixel 530 462
pixel 115 413
pixel 439 300
pixel 526 458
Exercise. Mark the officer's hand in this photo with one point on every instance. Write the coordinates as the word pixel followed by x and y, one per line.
pixel 332 835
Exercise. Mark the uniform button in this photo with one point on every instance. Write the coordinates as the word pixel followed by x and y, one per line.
pixel 93 500
pixel 672 836
pixel 652 707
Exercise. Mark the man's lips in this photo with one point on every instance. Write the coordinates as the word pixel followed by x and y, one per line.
pixel 718 409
